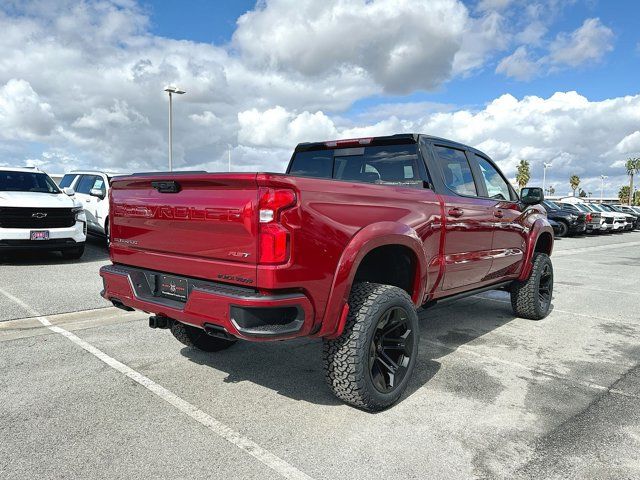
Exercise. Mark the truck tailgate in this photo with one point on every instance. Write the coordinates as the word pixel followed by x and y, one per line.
pixel 202 225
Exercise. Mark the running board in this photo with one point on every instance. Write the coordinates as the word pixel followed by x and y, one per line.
pixel 469 293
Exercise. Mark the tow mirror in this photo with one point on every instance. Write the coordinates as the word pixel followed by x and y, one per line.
pixel 69 191
pixel 531 195
pixel 97 192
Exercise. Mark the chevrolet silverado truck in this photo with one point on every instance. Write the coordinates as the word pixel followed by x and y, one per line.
pixel 345 247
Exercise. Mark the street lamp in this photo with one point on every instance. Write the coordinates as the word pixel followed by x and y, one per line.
pixel 171 89
pixel 544 174
pixel 602 178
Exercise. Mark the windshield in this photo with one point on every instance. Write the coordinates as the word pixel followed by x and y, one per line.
pixel 582 208
pixel 550 205
pixel 598 208
pixel 27 182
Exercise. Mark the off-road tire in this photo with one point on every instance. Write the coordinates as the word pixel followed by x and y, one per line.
pixel 197 338
pixel 346 358
pixel 564 229
pixel 73 253
pixel 525 296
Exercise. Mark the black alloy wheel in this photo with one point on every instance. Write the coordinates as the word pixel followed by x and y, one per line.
pixel 564 229
pixel 545 286
pixel 390 350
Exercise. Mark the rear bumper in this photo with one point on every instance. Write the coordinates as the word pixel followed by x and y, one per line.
pixel 242 312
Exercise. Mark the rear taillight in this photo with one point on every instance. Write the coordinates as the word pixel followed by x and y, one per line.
pixel 589 217
pixel 274 240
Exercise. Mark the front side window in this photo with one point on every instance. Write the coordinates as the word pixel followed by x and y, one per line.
pixel 67 180
pixel 496 185
pixel 86 184
pixel 27 182
pixel 456 170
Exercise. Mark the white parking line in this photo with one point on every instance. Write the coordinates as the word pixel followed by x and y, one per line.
pixel 267 458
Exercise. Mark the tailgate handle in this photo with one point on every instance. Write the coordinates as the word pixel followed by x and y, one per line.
pixel 166 186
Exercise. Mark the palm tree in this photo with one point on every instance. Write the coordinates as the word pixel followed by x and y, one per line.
pixel 633 167
pixel 623 194
pixel 574 182
pixel 523 174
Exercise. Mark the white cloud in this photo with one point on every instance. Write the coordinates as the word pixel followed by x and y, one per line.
pixel 588 43
pixel 23 114
pixel 566 129
pixel 483 36
pixel 401 44
pixel 83 82
pixel 629 144
pixel 276 127
pixel 518 65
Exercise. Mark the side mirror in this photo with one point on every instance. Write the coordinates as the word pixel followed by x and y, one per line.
pixel 69 191
pixel 96 192
pixel 531 195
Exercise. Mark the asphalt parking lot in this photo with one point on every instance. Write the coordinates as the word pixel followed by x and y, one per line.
pixel 98 394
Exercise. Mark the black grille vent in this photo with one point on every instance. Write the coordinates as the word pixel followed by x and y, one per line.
pixel 23 217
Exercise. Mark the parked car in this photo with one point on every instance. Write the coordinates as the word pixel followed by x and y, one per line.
pixel 91 188
pixel 618 220
pixel 596 221
pixel 557 229
pixel 570 221
pixel 630 212
pixel 628 218
pixel 36 215
pixel 345 246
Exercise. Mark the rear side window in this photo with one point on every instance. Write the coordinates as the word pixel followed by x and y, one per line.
pixel 396 165
pixel 67 180
pixel 456 170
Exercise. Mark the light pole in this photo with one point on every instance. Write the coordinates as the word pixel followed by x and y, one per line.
pixel 602 178
pixel 171 89
pixel 544 174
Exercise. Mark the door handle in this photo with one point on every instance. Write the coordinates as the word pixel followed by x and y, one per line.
pixel 498 213
pixel 456 212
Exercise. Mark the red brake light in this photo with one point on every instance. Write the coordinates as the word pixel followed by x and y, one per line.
pixel 349 142
pixel 589 217
pixel 273 238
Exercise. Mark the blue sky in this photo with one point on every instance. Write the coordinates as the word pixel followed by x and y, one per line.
pixel 81 81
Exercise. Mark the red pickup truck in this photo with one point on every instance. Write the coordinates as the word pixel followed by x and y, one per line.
pixel 345 246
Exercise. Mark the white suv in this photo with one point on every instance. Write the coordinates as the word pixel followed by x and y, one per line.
pixel 92 191
pixel 36 214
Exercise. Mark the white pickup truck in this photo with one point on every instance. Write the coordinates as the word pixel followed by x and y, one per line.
pixel 36 214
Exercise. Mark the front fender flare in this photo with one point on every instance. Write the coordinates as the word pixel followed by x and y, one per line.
pixel 540 226
pixel 367 239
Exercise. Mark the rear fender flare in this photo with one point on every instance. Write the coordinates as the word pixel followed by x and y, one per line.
pixel 367 239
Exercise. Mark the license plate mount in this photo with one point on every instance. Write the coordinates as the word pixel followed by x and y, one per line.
pixel 175 288
pixel 39 235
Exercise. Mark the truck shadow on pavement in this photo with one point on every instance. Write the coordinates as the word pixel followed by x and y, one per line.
pixel 95 250
pixel 294 368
